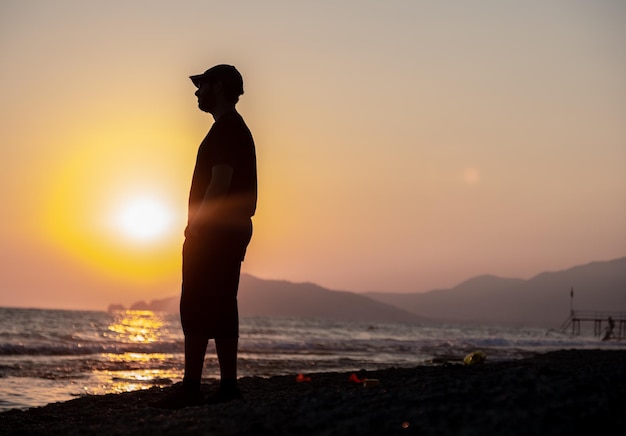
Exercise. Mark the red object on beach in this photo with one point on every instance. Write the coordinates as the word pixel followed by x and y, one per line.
pixel 355 378
pixel 302 378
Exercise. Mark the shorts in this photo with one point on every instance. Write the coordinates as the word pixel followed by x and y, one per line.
pixel 211 270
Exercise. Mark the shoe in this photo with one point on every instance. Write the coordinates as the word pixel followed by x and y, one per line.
pixel 225 395
pixel 179 398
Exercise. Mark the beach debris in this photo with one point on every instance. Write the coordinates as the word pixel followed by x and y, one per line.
pixel 366 382
pixel 475 358
pixel 300 378
pixel 355 379
pixel 371 382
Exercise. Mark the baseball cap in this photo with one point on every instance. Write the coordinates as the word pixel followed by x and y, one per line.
pixel 227 74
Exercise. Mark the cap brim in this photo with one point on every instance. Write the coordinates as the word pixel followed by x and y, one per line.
pixel 197 79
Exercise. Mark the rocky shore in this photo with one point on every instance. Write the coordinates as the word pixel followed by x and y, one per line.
pixel 557 393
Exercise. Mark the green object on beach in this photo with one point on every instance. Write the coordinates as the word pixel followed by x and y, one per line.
pixel 475 358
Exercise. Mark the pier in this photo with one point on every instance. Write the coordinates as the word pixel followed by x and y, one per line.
pixel 607 324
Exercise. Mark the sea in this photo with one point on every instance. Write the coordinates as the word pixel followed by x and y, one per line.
pixel 49 356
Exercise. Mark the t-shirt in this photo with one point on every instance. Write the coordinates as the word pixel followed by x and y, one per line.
pixel 229 142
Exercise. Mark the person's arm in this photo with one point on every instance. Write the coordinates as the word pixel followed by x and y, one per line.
pixel 221 177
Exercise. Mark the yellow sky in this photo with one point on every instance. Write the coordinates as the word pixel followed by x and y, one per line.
pixel 402 145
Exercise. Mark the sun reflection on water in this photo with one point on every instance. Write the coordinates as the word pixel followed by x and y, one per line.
pixel 131 380
pixel 139 367
pixel 137 326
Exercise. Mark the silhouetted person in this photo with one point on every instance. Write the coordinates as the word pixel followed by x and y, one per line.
pixel 609 330
pixel 222 201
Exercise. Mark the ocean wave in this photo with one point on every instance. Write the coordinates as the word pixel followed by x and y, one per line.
pixel 80 349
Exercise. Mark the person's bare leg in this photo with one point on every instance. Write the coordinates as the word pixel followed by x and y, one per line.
pixel 195 349
pixel 190 394
pixel 227 356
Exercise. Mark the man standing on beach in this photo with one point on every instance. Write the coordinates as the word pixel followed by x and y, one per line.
pixel 222 201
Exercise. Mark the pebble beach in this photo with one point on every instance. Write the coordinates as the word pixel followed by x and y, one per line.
pixel 561 392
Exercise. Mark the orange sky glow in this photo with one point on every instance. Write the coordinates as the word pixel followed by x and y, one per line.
pixel 402 146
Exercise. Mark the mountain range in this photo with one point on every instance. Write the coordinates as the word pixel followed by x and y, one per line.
pixel 543 300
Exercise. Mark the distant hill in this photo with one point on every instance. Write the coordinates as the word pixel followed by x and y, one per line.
pixel 543 300
pixel 258 297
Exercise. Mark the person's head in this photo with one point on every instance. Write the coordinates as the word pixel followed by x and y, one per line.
pixel 221 83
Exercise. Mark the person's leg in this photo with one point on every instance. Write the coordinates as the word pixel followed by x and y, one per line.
pixel 227 338
pixel 192 311
pixel 195 350
pixel 189 394
pixel 227 356
pixel 226 341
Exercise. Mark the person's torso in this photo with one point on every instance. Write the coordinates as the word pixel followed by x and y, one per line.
pixel 228 142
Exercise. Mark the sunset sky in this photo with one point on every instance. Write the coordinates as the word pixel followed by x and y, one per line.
pixel 402 145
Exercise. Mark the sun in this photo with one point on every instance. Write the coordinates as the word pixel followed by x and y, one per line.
pixel 144 219
pixel 118 206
